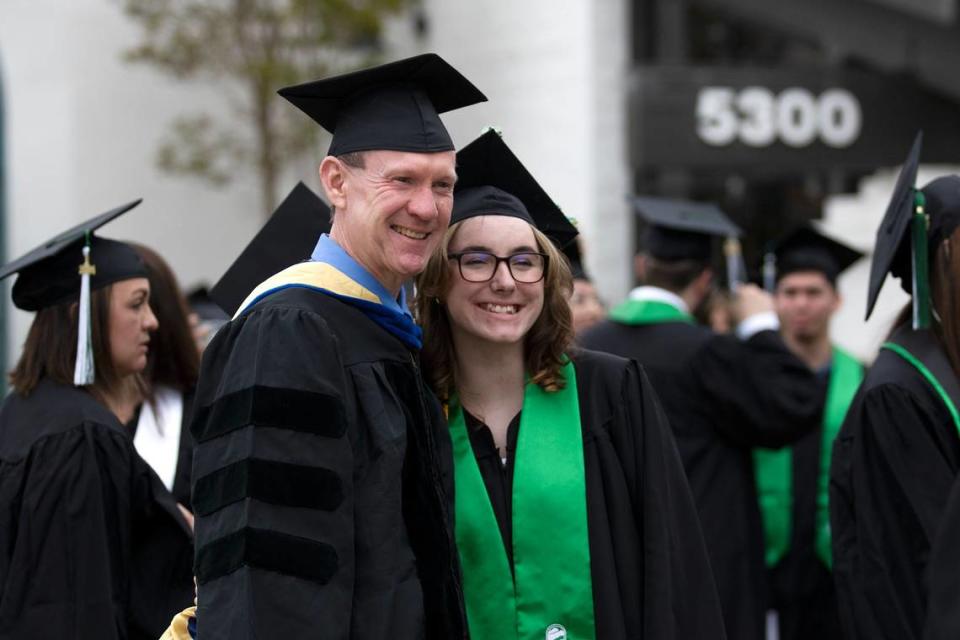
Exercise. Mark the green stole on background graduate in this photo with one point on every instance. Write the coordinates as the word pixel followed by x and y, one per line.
pixel 774 468
pixel 635 312
pixel 549 594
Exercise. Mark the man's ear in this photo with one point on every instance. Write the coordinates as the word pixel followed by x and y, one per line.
pixel 333 177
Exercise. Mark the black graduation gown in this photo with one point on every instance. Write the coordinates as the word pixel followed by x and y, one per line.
pixel 801 586
pixel 894 463
pixel 649 568
pixel 943 575
pixel 321 473
pixel 724 397
pixel 91 543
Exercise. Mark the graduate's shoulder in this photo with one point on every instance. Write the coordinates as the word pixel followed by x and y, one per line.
pixel 605 371
pixel 51 410
pixel 307 316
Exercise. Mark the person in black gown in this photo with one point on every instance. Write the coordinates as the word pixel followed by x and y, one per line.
pixel 92 545
pixel 321 463
pixel 724 394
pixel 792 481
pixel 897 455
pixel 573 515
pixel 161 432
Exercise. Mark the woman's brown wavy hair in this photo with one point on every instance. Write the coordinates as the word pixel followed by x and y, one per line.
pixel 545 344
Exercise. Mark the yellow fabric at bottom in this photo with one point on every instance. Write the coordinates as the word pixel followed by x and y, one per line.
pixel 178 626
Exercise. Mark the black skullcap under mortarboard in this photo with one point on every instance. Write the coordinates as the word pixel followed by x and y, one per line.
pixel 491 180
pixel 806 249
pixel 288 237
pixel 48 275
pixel 681 229
pixel 394 106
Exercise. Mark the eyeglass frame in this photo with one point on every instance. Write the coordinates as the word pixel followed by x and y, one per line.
pixel 498 259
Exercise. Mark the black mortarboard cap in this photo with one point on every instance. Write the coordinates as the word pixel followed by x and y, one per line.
pixel 894 226
pixel 681 229
pixel 575 258
pixel 48 275
pixel 288 237
pixel 807 249
pixel 394 106
pixel 491 180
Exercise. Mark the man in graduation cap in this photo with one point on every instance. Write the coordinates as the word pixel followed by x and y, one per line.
pixel 792 481
pixel 320 466
pixel 723 395
pixel 897 456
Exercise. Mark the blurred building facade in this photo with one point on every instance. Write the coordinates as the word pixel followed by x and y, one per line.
pixel 782 112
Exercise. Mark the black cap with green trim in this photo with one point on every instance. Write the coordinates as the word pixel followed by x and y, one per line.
pixel 939 201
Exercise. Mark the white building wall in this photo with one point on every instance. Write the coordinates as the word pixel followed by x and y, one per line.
pixel 555 75
pixel 82 128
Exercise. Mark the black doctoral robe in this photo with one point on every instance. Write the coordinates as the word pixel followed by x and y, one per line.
pixel 723 397
pixel 893 467
pixel 319 481
pixel 649 568
pixel 91 543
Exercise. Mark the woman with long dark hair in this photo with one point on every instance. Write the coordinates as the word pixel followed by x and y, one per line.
pixel 91 543
pixel 573 514
pixel 898 452
pixel 161 432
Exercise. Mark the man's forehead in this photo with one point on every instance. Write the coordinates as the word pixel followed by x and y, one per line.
pixel 384 160
pixel 805 279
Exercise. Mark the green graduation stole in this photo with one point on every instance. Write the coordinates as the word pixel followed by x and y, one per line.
pixel 550 592
pixel 774 468
pixel 919 348
pixel 634 312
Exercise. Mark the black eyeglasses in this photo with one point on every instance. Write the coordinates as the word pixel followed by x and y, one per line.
pixel 481 266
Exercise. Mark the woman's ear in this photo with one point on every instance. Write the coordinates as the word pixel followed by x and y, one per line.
pixel 333 177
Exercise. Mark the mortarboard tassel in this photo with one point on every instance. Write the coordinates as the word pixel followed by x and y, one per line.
pixel 770 271
pixel 83 371
pixel 736 270
pixel 921 281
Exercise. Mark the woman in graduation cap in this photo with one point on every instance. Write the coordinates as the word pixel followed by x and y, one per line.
pixel 91 543
pixel 898 452
pixel 161 431
pixel 573 514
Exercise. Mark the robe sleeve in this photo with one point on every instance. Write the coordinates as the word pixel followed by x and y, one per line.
pixel 273 481
pixel 756 392
pixel 679 593
pixel 889 482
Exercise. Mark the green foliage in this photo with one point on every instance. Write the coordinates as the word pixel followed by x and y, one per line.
pixel 258 46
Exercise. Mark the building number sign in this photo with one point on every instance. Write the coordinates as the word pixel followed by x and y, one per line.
pixel 758 117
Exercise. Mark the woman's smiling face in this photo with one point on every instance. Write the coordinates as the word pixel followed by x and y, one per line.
pixel 500 310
